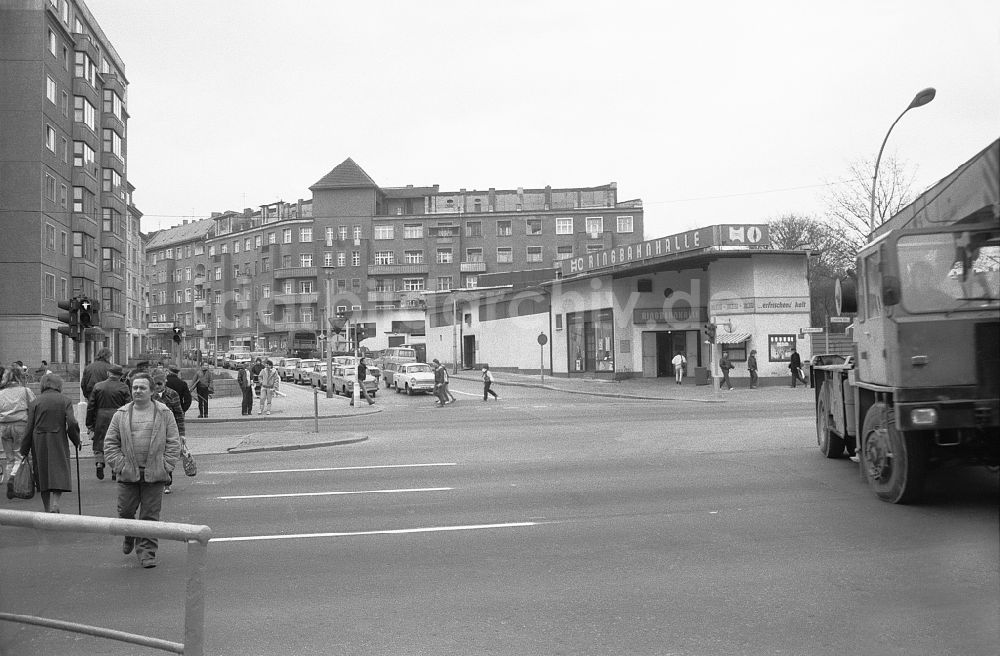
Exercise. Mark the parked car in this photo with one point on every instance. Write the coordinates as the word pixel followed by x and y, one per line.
pixel 412 377
pixel 300 375
pixel 286 367
pixel 397 354
pixel 343 377
pixel 374 371
pixel 318 375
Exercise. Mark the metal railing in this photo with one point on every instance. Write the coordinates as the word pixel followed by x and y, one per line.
pixel 195 536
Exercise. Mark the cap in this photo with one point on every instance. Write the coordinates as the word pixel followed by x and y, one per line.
pixel 174 369
pixel 116 369
pixel 436 361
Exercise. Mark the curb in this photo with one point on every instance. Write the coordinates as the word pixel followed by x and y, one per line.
pixel 221 420
pixel 295 447
pixel 618 395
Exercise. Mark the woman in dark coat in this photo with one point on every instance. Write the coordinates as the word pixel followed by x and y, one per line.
pixel 51 423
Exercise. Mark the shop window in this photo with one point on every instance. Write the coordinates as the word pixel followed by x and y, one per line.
pixel 590 339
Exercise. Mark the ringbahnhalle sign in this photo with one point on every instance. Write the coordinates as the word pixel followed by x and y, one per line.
pixel 730 235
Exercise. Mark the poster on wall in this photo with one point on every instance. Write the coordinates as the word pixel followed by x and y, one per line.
pixel 779 347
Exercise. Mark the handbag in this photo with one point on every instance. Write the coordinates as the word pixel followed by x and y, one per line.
pixel 187 460
pixel 22 482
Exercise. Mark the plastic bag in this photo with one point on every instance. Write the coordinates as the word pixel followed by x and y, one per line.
pixel 187 460
pixel 22 482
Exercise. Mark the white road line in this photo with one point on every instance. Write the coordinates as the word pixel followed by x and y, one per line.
pixel 397 531
pixel 336 493
pixel 317 469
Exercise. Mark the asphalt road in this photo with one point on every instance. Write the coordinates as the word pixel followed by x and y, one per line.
pixel 543 524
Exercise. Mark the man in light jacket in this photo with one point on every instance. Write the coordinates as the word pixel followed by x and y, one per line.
pixel 142 448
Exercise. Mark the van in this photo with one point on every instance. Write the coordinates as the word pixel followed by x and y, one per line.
pixel 397 354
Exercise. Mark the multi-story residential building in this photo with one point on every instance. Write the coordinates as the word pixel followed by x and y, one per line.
pixel 269 278
pixel 136 283
pixel 64 198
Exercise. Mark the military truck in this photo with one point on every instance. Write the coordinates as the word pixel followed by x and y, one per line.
pixel 923 387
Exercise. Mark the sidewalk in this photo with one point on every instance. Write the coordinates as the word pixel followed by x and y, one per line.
pixel 653 389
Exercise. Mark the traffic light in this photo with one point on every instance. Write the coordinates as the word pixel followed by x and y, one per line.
pixel 708 330
pixel 178 334
pixel 88 314
pixel 71 317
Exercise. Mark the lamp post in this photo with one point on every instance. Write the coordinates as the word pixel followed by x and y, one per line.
pixel 919 100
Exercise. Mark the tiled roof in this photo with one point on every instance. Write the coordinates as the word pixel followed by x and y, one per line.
pixel 346 175
pixel 180 234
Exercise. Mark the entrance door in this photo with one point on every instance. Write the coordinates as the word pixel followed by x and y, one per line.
pixel 468 351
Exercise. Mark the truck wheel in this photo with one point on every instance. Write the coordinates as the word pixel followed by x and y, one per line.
pixel 830 444
pixel 893 461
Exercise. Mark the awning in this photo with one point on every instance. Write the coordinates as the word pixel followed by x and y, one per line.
pixel 731 338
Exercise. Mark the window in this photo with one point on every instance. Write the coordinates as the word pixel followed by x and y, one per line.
pixel 595 225
pixel 247 243
pixel 85 69
pixel 83 154
pixel 64 103
pixel 329 235
pixel 265 264
pixel 474 229
pixel 356 285
pixel 341 259
pixel 444 283
pixel 257 240
pixel 470 281
pixel 328 259
pixel 50 138
pixel 286 236
pixel 218 273
pixel 355 258
pixel 112 142
pixel 357 233
pixel 271 237
pixel 306 287
pixel 505 255
pixel 625 225
pixel 534 253
pixel 112 104
pixel 413 231
pixel 473 255
pixel 414 257
pixel 533 226
pixel 384 257
pixel 305 235
pixel 564 226
pixel 383 231
pixel 383 285
pixel 444 256
pixel 306 260
pixel 503 229
pixel 236 246
pixel 63 196
pixel 342 233
pixel 286 261
pixel 341 284
pixel 413 284
pixel 49 187
pixel 112 182
pixel 64 242
pixel 49 286
pixel 236 270
pixel 52 43
pixel 265 291
pixel 50 89
pixel 564 252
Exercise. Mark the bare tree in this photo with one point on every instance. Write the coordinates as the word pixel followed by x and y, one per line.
pixel 849 203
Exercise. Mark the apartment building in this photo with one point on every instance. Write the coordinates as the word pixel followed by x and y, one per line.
pixel 64 197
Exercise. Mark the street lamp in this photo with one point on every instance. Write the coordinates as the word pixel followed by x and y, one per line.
pixel 919 100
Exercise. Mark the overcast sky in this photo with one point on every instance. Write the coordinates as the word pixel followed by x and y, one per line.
pixel 709 112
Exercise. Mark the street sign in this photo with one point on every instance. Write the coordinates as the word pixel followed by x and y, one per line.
pixel 841 319
pixel 160 325
pixel 542 339
pixel 810 330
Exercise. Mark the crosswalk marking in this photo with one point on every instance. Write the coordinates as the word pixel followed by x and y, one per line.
pixel 336 493
pixel 397 531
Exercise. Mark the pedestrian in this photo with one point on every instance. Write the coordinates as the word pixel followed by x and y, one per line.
pixel 43 369
pixel 795 366
pixel 679 363
pixel 51 424
pixel 268 380
pixel 142 448
pixel 487 382
pixel 362 376
pixel 439 383
pixel 725 365
pixel 172 400
pixel 255 370
pixel 95 372
pixel 203 388
pixel 105 399
pixel 752 368
pixel 15 398
pixel 175 383
pixel 243 381
pixel 447 382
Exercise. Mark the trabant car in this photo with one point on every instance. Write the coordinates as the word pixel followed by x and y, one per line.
pixel 413 377
pixel 343 377
pixel 300 374
pixel 286 367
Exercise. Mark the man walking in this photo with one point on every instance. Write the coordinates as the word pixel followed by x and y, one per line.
pixel 175 383
pixel 105 399
pixel 795 365
pixel 269 380
pixel 362 375
pixel 440 377
pixel 679 363
pixel 203 388
pixel 487 382
pixel 752 367
pixel 243 380
pixel 255 370
pixel 95 372
pixel 725 365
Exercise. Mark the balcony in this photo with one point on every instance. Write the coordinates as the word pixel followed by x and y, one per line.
pixel 243 305
pixel 310 298
pixel 201 326
pixel 200 280
pixel 473 267
pixel 295 272
pixel 290 326
pixel 200 303
pixel 383 296
pixel 85 224
pixel 244 279
pixel 393 269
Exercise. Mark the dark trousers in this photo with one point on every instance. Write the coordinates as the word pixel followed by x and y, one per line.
pixel 145 497
pixel 247 400
pixel 487 390
pixel 441 393
pixel 202 401
pixel 753 378
pixel 797 376
pixel 725 379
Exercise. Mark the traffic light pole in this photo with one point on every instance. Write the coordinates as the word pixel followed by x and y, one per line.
pixel 80 357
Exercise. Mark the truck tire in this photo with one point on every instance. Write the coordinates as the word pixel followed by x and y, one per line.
pixel 830 444
pixel 892 461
